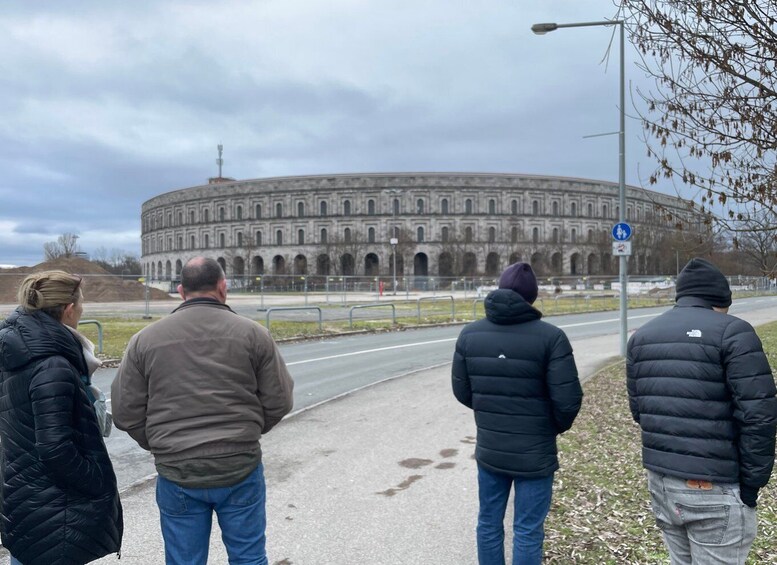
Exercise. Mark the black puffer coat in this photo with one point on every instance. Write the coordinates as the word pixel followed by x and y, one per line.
pixel 519 376
pixel 701 388
pixel 59 504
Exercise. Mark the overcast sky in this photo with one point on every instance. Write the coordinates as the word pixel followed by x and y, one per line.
pixel 107 104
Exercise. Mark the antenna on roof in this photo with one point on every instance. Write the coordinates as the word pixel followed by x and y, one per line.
pixel 220 161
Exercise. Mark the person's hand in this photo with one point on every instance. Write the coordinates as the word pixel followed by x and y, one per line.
pixel 749 495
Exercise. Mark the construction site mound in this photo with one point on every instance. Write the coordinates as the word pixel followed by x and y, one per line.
pixel 98 285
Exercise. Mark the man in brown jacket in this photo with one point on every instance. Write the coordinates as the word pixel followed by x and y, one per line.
pixel 198 389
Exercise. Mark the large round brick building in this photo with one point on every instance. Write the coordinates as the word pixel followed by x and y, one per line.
pixel 441 225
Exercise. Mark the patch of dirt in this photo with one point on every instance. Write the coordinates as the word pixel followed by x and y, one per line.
pixel 98 285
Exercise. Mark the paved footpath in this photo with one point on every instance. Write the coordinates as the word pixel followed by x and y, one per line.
pixel 383 476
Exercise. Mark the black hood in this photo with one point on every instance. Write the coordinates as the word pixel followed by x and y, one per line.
pixel 29 336
pixel 505 306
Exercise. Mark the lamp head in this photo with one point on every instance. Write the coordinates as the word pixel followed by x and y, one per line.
pixel 542 29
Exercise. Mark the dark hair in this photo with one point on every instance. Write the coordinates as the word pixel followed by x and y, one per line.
pixel 201 274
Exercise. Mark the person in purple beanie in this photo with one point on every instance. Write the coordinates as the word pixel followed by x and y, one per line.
pixel 518 375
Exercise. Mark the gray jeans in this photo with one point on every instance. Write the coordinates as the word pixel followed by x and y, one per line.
pixel 702 526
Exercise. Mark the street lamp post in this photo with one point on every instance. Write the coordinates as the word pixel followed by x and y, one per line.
pixel 393 241
pixel 541 29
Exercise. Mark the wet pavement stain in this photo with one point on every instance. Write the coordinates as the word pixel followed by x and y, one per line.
pixel 415 463
pixel 445 465
pixel 449 452
pixel 286 561
pixel 401 486
pixel 468 439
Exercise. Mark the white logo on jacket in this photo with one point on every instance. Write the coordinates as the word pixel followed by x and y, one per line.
pixel 693 333
pixel 501 356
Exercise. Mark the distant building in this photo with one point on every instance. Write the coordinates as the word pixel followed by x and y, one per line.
pixel 445 224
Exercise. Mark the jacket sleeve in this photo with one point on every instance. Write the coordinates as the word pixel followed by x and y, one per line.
pixel 566 394
pixel 275 387
pixel 129 396
pixel 752 389
pixel 462 389
pixel 631 381
pixel 53 392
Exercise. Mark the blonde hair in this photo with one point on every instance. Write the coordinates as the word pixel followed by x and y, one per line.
pixel 49 292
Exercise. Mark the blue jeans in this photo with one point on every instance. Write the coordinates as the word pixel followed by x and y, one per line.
pixel 532 503
pixel 709 525
pixel 14 561
pixel 186 515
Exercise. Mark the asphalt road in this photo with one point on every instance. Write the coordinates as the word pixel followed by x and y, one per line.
pixel 325 369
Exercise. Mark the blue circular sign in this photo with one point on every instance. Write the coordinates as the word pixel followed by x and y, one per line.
pixel 621 231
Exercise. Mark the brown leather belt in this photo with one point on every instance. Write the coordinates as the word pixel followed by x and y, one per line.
pixel 701 485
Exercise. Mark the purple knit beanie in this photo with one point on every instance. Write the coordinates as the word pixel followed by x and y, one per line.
pixel 520 278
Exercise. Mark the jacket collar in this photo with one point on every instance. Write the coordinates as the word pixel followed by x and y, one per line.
pixel 505 306
pixel 202 301
pixel 692 302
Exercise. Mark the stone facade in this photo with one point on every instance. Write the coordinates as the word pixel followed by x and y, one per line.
pixel 445 224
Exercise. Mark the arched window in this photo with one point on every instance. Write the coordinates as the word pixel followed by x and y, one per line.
pixel 301 209
pixel 468 235
pixel 279 210
pixel 222 240
pixel 468 206
pixel 258 238
pixel 590 237
pixel 628 213
pixel 491 235
pixel 419 206
pixel 444 206
pixel 371 234
pixel 191 242
pixel 555 208
pixel 590 210
pixel 347 208
pixel 573 209
pixel 205 215
pixel 169 219
pixel 617 211
pixel 279 237
pixel 191 216
pixel 371 207
pixel 420 234
pixel 514 207
pixel 535 207
pixel 573 233
pixel 535 235
pixel 180 218
pixel 240 239
pixel 322 208
pixel 258 211
pixel 180 242
pixel 206 241
pixel 300 237
pixel 514 235
pixel 239 212
pixel 396 206
pixel 323 235
pixel 347 235
pixel 222 214
pixel 492 206
pixel 444 234
pixel 555 235
pixel 604 211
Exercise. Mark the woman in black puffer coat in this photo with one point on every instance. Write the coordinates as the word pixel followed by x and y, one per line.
pixel 59 502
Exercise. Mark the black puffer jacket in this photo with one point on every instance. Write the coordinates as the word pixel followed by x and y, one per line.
pixel 519 376
pixel 58 498
pixel 701 388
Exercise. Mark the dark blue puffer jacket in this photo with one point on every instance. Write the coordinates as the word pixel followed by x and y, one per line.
pixel 59 504
pixel 518 374
pixel 703 393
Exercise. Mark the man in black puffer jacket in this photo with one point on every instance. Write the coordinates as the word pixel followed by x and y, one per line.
pixel 518 374
pixel 702 391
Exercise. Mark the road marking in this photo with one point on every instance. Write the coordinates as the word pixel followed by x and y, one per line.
pixel 352 353
pixel 402 346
